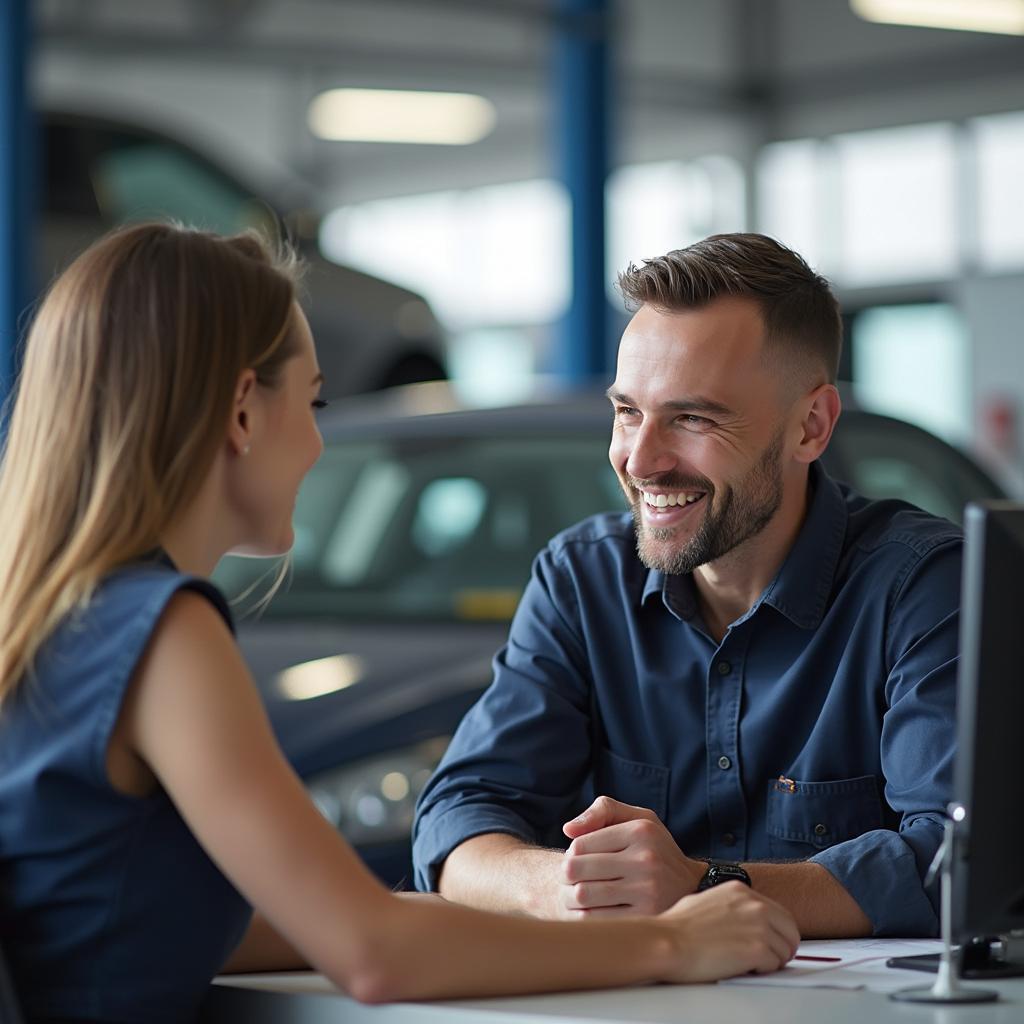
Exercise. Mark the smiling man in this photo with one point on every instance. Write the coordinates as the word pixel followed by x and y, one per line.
pixel 750 677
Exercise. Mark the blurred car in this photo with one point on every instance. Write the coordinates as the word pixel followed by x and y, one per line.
pixel 100 172
pixel 414 537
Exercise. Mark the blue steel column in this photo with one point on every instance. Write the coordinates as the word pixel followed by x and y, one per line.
pixel 582 132
pixel 15 182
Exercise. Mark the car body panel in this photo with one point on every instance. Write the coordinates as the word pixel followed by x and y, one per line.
pixel 100 172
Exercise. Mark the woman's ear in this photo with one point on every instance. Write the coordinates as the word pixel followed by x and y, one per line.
pixel 240 427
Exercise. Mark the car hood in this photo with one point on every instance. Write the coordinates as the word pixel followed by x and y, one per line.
pixel 411 683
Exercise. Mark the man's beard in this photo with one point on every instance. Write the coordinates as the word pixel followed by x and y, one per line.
pixel 744 511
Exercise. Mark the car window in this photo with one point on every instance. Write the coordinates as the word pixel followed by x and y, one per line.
pixel 885 458
pixel 448 513
pixel 431 530
pixel 153 179
pixel 97 171
pixel 361 521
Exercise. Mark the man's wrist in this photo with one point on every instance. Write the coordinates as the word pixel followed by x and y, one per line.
pixel 719 872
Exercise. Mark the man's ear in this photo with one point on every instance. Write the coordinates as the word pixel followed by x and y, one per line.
pixel 241 424
pixel 821 410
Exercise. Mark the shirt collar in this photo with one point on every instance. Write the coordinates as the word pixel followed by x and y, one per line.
pixel 675 592
pixel 801 587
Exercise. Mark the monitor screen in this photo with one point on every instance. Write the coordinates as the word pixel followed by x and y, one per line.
pixel 988 869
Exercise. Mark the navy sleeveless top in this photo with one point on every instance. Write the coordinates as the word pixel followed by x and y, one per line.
pixel 109 908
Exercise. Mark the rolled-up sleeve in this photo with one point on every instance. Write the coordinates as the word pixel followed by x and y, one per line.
pixel 502 772
pixel 884 870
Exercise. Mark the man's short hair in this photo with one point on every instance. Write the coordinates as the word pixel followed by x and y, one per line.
pixel 800 313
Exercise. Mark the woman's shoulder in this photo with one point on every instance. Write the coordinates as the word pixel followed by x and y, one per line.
pixel 95 650
pixel 142 590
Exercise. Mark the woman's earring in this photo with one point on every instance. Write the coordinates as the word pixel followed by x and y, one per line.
pixel 245 450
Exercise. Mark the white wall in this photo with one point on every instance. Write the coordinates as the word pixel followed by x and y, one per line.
pixel 994 310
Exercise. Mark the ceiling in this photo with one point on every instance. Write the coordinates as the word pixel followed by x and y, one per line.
pixel 690 77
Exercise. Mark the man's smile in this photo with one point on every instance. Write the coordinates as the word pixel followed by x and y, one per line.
pixel 661 499
pixel 668 508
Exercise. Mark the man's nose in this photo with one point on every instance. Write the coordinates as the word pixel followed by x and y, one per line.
pixel 650 453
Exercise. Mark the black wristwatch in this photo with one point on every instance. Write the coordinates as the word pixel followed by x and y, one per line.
pixel 721 871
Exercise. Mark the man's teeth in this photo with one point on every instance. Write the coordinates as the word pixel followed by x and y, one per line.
pixel 665 500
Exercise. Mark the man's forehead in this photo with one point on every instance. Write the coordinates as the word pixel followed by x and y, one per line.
pixel 714 334
pixel 728 317
pixel 711 356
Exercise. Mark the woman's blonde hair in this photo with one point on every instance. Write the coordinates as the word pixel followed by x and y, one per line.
pixel 124 398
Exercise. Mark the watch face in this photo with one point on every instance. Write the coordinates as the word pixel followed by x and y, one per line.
pixel 718 872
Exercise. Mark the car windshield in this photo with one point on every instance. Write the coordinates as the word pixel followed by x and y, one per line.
pixel 446 530
pixel 118 175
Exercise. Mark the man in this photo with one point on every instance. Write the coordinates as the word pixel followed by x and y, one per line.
pixel 758 670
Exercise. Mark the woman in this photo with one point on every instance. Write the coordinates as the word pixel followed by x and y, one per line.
pixel 165 416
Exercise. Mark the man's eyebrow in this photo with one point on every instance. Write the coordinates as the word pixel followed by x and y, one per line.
pixel 694 403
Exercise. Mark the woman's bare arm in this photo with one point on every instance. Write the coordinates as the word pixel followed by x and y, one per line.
pixel 263 948
pixel 194 716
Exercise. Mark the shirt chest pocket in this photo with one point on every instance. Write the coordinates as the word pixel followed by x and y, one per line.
pixel 632 782
pixel 806 817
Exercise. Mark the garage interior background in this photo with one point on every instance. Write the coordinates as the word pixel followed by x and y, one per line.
pixel 892 157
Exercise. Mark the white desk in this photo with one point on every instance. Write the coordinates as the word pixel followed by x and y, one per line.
pixel 310 999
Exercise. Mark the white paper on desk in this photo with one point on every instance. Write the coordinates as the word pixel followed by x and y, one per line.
pixel 861 964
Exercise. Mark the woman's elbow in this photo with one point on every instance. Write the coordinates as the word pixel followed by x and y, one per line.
pixel 374 969
pixel 375 981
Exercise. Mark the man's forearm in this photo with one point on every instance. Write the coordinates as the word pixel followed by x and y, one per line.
pixel 822 907
pixel 502 873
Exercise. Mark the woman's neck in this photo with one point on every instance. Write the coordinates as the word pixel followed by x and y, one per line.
pixel 198 539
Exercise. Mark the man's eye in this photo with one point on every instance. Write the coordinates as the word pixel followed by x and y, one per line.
pixel 696 422
pixel 319 403
pixel 626 410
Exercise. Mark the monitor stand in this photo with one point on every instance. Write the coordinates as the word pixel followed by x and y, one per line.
pixel 947 987
pixel 989 956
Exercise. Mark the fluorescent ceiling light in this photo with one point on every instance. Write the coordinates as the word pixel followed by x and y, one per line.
pixel 390 115
pixel 1003 16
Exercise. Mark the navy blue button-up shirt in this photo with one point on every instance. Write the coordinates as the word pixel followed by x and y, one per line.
pixel 821 727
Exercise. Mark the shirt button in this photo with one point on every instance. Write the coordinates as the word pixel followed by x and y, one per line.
pixel 724 668
pixel 729 839
pixel 724 763
pixel 820 830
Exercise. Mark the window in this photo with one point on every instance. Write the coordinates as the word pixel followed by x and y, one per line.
pixel 897 201
pixel 866 208
pixel 449 510
pixel 911 362
pixel 152 180
pixel 791 201
pixel 654 208
pixel 999 145
pixel 482 257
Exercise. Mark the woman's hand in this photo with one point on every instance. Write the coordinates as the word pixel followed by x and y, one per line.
pixel 728 930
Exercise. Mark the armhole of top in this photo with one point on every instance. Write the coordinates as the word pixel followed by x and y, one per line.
pixel 110 715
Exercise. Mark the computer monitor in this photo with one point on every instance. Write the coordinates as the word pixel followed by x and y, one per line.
pixel 988 865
